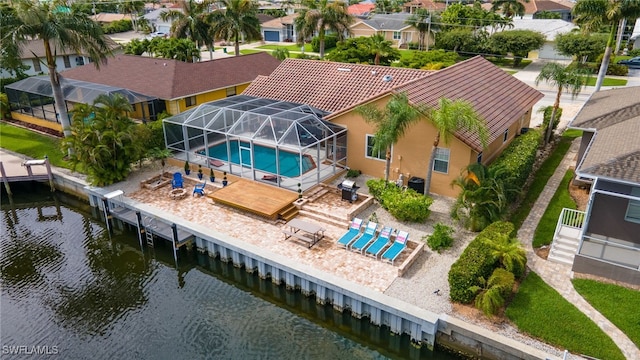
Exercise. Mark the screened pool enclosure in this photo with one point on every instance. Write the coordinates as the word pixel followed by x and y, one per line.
pixel 277 142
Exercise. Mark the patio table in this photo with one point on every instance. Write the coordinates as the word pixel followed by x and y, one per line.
pixel 305 231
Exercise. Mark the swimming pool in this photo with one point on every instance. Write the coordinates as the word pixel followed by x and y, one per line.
pixel 265 158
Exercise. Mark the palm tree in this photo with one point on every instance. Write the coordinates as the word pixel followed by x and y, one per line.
pixel 425 23
pixel 563 77
pixel 192 22
pixel 509 252
pixel 280 53
pixel 391 123
pixel 491 296
pixel 509 8
pixel 449 117
pixel 592 14
pixel 59 30
pixel 379 47
pixel 238 18
pixel 320 16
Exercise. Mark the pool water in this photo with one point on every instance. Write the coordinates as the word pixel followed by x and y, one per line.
pixel 265 158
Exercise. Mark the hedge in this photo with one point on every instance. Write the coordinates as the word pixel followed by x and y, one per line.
pixel 475 262
pixel 404 205
pixel 330 42
pixel 518 159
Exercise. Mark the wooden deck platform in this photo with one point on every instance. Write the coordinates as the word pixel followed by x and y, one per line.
pixel 261 199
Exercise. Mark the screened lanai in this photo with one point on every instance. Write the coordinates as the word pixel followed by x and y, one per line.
pixel 278 142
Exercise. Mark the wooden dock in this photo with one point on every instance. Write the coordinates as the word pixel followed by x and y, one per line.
pixel 16 169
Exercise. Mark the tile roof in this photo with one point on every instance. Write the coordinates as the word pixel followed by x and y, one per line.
pixel 108 17
pixel 277 23
pixel 170 79
pixel 361 9
pixel 330 86
pixel 380 22
pixel 37 47
pixel 614 151
pixel 427 4
pixel 496 96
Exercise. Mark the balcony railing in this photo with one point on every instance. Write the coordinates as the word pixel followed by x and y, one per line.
pixel 570 218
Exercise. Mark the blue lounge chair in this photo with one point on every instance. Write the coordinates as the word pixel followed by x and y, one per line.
pixel 366 238
pixel 397 247
pixel 349 236
pixel 383 239
pixel 177 181
pixel 199 189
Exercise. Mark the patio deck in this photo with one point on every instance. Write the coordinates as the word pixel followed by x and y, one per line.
pixel 257 198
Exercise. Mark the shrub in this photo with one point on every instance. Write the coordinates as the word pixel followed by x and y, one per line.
pixel 546 116
pixel 475 263
pixel 404 205
pixel 330 42
pixel 351 173
pixel 634 52
pixel 496 290
pixel 433 60
pixel 441 238
pixel 4 106
pixel 518 159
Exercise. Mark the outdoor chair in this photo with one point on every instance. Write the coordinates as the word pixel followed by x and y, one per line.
pixel 177 181
pixel 397 247
pixel 366 238
pixel 199 189
pixel 383 239
pixel 354 231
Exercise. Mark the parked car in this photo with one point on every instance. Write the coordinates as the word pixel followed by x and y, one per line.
pixel 633 63
pixel 157 34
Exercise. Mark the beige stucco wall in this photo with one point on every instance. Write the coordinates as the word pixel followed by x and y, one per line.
pixel 411 34
pixel 498 145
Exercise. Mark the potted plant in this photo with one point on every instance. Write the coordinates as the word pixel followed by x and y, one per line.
pixel 187 168
pixel 212 176
pixel 224 179
pixel 199 172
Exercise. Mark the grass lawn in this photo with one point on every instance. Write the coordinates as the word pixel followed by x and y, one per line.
pixel 31 144
pixel 541 177
pixel 560 200
pixel 618 304
pixel 292 47
pixel 510 72
pixel 607 82
pixel 507 62
pixel 539 310
pixel 245 52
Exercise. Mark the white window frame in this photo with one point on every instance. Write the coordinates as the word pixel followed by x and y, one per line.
pixel 190 101
pixel 443 155
pixel 633 208
pixel 36 65
pixel 381 155
pixel 231 91
pixel 397 35
pixel 67 61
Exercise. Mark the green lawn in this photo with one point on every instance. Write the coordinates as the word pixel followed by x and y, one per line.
pixel 541 177
pixel 539 310
pixel 31 144
pixel 246 51
pixel 560 200
pixel 510 72
pixel 616 303
pixel 607 82
pixel 292 47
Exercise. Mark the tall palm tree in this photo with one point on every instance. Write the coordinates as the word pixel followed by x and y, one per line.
pixel 192 22
pixel 379 47
pixel 59 30
pixel 237 18
pixel 391 124
pixel 320 16
pixel 426 23
pixel 592 14
pixel 449 117
pixel 509 8
pixel 564 77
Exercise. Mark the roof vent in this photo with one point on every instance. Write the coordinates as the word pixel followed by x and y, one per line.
pixel 387 78
pixel 344 69
pixel 373 72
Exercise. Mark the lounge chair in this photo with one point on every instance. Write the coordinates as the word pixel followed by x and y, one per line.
pixel 397 247
pixel 366 238
pixel 199 189
pixel 354 231
pixel 177 181
pixel 381 241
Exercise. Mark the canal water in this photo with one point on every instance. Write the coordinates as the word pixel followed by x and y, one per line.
pixel 71 289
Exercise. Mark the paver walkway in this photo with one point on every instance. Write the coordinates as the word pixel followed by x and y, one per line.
pixel 559 275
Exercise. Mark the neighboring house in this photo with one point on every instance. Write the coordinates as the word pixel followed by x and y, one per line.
pixel 393 27
pixel 33 56
pixel 503 101
pixel 534 7
pixel 608 160
pixel 155 20
pixel 361 10
pixel 108 18
pixel 430 5
pixel 152 85
pixel 550 28
pixel 280 29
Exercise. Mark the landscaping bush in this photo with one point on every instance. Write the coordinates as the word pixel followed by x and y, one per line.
pixel 634 52
pixel 117 27
pixel 475 263
pixel 441 238
pixel 518 159
pixel 330 41
pixel 404 205
pixel 546 117
pixel 431 60
pixel 352 173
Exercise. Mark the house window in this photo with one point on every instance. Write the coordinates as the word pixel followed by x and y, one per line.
pixel 79 61
pixel 633 209
pixel 190 101
pixel 231 91
pixel 370 153
pixel 67 61
pixel 479 159
pixel 397 35
pixel 441 162
pixel 36 65
pixel 505 136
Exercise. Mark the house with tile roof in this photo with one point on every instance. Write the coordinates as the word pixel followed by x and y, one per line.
pixel 362 9
pixel 502 100
pixel 152 85
pixel 604 239
pixel 393 27
pixel 280 29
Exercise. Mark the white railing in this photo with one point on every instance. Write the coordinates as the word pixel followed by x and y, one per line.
pixel 571 218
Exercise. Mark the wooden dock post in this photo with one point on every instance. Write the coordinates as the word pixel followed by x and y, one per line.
pixel 4 179
pixel 49 174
